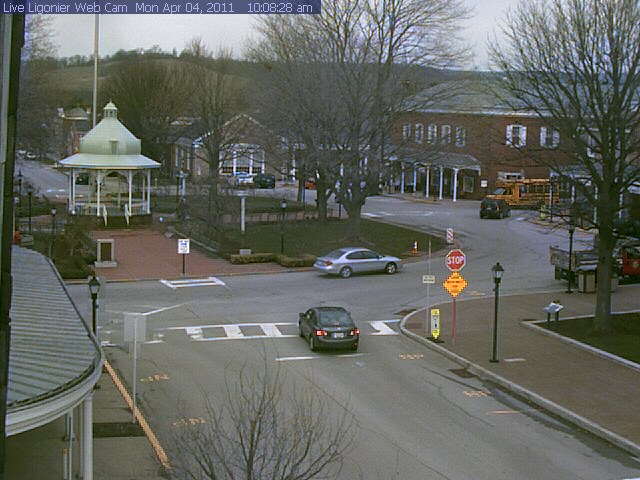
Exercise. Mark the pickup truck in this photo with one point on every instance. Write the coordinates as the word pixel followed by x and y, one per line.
pixel 626 257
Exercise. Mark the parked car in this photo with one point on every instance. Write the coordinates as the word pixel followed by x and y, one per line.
pixel 31 156
pixel 242 179
pixel 264 180
pixel 310 183
pixel 346 261
pixel 328 327
pixel 494 208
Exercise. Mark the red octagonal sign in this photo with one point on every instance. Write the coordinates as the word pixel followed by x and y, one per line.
pixel 455 260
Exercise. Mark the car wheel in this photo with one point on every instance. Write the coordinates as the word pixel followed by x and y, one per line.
pixel 300 331
pixel 345 272
pixel 354 347
pixel 312 343
pixel 481 216
pixel 391 268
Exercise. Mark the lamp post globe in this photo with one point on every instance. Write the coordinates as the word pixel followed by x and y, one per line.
pixel 94 290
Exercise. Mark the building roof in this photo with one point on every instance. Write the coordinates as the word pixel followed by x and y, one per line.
pixel 54 359
pixel 109 145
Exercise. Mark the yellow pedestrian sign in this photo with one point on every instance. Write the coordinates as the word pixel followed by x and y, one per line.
pixel 435 322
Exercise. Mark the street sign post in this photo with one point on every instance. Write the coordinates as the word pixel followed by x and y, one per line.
pixel 429 279
pixel 455 260
pixel 183 249
pixel 454 284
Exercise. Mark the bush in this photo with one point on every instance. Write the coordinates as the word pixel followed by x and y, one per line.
pixel 252 258
pixel 304 260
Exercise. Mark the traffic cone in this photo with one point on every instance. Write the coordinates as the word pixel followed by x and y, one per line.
pixel 414 249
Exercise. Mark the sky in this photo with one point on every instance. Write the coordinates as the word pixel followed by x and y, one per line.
pixel 74 33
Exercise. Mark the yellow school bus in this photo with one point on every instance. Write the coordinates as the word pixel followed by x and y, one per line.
pixel 526 192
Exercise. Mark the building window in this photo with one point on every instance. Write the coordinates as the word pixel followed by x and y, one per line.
pixel 468 184
pixel 516 135
pixel 446 135
pixel 406 131
pixel 432 134
pixel 419 133
pixel 549 137
pixel 461 136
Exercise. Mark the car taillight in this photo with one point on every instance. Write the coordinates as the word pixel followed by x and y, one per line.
pixel 354 332
pixel 320 333
pixel 328 263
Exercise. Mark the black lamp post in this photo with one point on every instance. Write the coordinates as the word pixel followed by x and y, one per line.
pixel 20 178
pixel 572 229
pixel 53 233
pixel 94 289
pixel 496 272
pixel 283 206
pixel 30 194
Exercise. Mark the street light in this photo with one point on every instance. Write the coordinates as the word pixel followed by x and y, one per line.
pixel 30 194
pixel 20 178
pixel 572 229
pixel 283 206
pixel 94 289
pixel 496 272
pixel 53 233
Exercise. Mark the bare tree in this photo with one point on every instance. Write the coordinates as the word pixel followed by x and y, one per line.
pixel 151 95
pixel 576 64
pixel 260 432
pixel 39 95
pixel 345 74
pixel 218 97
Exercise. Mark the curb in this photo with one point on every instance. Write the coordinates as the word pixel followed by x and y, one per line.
pixel 533 397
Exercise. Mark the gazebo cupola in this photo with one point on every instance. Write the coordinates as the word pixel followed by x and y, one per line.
pixel 117 174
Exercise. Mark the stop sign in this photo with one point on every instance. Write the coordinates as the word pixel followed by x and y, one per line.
pixel 455 260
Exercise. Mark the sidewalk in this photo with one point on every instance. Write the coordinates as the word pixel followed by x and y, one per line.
pixel 595 391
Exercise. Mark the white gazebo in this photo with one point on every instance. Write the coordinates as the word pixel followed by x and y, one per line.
pixel 117 174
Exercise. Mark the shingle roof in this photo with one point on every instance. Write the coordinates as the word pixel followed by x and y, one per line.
pixel 54 359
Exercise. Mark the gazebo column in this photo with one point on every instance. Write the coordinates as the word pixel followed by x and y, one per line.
pixel 130 182
pixel 441 182
pixel 70 193
pixel 455 184
pixel 98 189
pixel 148 177
pixel 402 177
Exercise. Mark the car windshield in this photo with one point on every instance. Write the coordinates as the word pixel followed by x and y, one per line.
pixel 335 254
pixel 334 317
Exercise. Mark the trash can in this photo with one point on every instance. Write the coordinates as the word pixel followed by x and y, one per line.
pixel 587 279
pixel 615 281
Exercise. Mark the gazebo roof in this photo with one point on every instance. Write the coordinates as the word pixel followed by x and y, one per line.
pixel 109 145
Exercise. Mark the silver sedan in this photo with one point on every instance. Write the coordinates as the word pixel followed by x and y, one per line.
pixel 349 260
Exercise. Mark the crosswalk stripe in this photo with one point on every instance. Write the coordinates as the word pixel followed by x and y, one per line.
pixel 233 331
pixel 193 282
pixel 271 330
pixel 382 328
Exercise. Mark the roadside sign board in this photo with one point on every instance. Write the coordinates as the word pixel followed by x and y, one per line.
pixel 431 279
pixel 455 260
pixel 183 246
pixel 435 322
pixel 449 235
pixel 455 284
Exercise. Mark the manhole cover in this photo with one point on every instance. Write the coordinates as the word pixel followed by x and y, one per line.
pixel 462 373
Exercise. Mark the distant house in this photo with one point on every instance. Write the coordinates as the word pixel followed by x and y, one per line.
pixel 464 140
pixel 75 125
pixel 247 147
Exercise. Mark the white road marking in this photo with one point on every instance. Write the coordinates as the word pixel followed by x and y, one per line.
pixel 382 328
pixel 164 309
pixel 195 333
pixel 511 360
pixel 233 331
pixel 193 282
pixel 271 330
pixel 320 357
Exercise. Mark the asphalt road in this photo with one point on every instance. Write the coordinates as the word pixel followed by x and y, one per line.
pixel 417 417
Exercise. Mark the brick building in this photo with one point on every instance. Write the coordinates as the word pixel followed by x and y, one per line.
pixel 457 140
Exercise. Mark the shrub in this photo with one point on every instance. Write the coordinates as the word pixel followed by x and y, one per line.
pixel 304 260
pixel 252 258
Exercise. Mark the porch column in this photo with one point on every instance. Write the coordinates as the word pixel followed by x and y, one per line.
pixel 98 194
pixel 455 184
pixel 428 181
pixel 70 194
pixel 415 177
pixel 441 182
pixel 402 177
pixel 87 438
pixel 130 182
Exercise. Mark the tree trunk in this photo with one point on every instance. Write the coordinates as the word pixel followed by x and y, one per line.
pixel 606 245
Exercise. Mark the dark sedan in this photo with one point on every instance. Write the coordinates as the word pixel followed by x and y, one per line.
pixel 328 327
